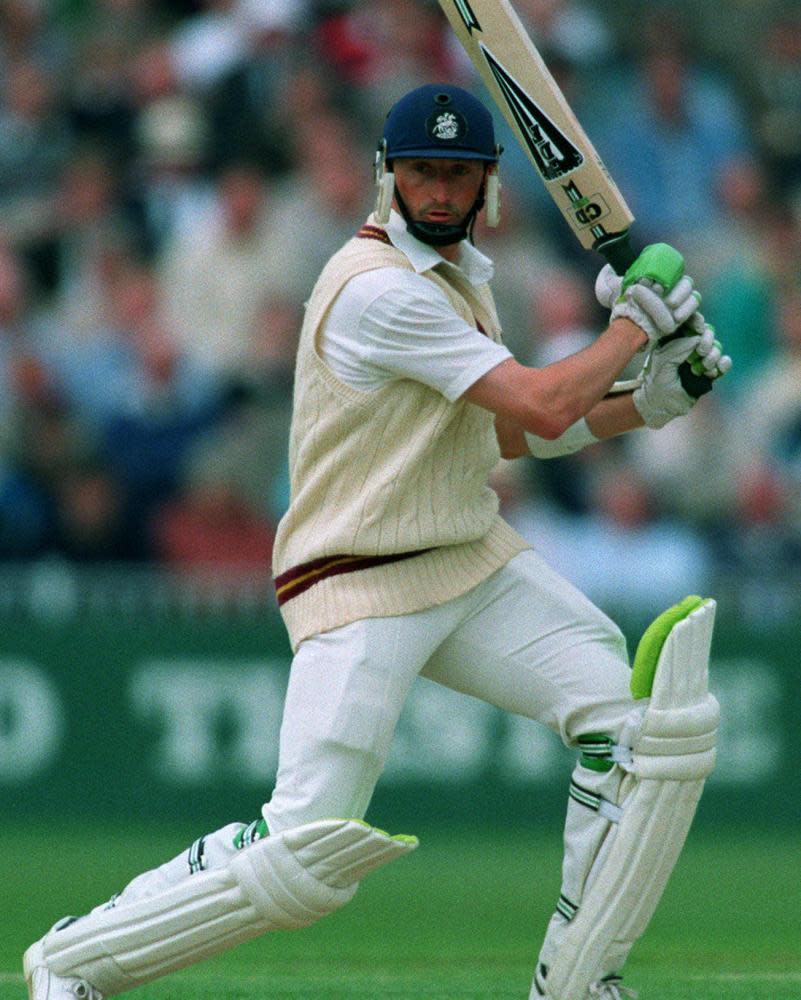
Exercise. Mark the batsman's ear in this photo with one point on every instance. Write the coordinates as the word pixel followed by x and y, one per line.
pixel 385 183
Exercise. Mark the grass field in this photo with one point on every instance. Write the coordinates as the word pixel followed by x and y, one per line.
pixel 460 919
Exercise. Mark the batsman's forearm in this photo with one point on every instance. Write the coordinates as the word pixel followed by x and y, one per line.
pixel 546 401
pixel 614 415
pixel 580 382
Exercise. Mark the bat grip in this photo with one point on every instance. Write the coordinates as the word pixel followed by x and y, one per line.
pixel 618 251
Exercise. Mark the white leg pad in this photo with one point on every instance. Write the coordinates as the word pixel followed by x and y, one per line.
pixel 281 882
pixel 672 753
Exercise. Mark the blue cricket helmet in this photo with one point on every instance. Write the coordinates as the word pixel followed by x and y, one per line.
pixel 440 120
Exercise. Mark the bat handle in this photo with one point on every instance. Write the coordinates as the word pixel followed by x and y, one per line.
pixel 618 251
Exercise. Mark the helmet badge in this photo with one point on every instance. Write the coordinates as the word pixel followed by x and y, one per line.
pixel 446 126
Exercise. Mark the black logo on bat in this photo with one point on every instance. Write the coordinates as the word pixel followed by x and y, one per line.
pixel 467 15
pixel 552 151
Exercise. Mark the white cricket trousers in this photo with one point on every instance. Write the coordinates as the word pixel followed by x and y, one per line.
pixel 524 640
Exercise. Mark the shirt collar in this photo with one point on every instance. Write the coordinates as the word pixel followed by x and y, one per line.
pixel 474 265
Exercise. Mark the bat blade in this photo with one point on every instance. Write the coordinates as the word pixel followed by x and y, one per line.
pixel 543 122
pixel 541 119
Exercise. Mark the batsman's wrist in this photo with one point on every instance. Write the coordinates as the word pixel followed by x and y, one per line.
pixel 626 327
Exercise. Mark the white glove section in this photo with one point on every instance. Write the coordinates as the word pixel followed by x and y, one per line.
pixel 645 303
pixel 661 397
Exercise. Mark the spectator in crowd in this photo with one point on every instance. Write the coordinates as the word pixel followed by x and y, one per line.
pixel 13 334
pixel 172 176
pixel 169 191
pixel 89 230
pixel 249 444
pixel 88 517
pixel 210 532
pixel 250 104
pixel 520 248
pixel 381 49
pixel 29 32
pixel 325 202
pixel 208 44
pixel 570 29
pixel 135 394
pixel 35 143
pixel 733 258
pixel 769 457
pixel 686 125
pixel 778 82
pixel 99 103
pixel 24 509
pixel 41 443
pixel 214 276
pixel 605 550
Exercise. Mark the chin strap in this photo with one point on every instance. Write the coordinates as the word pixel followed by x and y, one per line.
pixel 435 234
pixel 438 234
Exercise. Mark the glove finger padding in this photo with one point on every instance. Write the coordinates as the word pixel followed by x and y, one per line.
pixel 709 362
pixel 706 341
pixel 708 357
pixel 683 311
pixel 683 296
pixel 654 307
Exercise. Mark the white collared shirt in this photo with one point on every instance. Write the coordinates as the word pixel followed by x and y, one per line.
pixel 390 323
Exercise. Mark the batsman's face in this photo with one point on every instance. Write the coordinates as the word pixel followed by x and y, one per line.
pixel 435 190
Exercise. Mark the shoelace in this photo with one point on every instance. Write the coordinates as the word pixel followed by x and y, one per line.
pixel 611 989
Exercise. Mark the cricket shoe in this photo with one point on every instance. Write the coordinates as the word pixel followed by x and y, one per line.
pixel 610 989
pixel 46 985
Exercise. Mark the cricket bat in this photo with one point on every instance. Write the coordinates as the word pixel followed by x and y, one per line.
pixel 544 124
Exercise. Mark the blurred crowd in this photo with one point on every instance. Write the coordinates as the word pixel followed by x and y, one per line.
pixel 173 175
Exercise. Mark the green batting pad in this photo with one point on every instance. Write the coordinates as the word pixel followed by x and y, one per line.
pixel 659 262
pixel 653 639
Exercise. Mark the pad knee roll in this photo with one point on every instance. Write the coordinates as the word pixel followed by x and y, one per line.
pixel 677 739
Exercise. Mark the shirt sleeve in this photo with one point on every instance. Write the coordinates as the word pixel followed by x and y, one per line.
pixel 390 323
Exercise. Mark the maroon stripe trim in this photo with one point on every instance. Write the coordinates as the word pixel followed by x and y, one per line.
pixel 368 232
pixel 300 578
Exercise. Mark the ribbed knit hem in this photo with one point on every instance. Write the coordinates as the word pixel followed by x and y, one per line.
pixel 401 588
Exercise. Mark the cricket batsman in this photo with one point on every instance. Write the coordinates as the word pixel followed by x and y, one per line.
pixel 392 562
